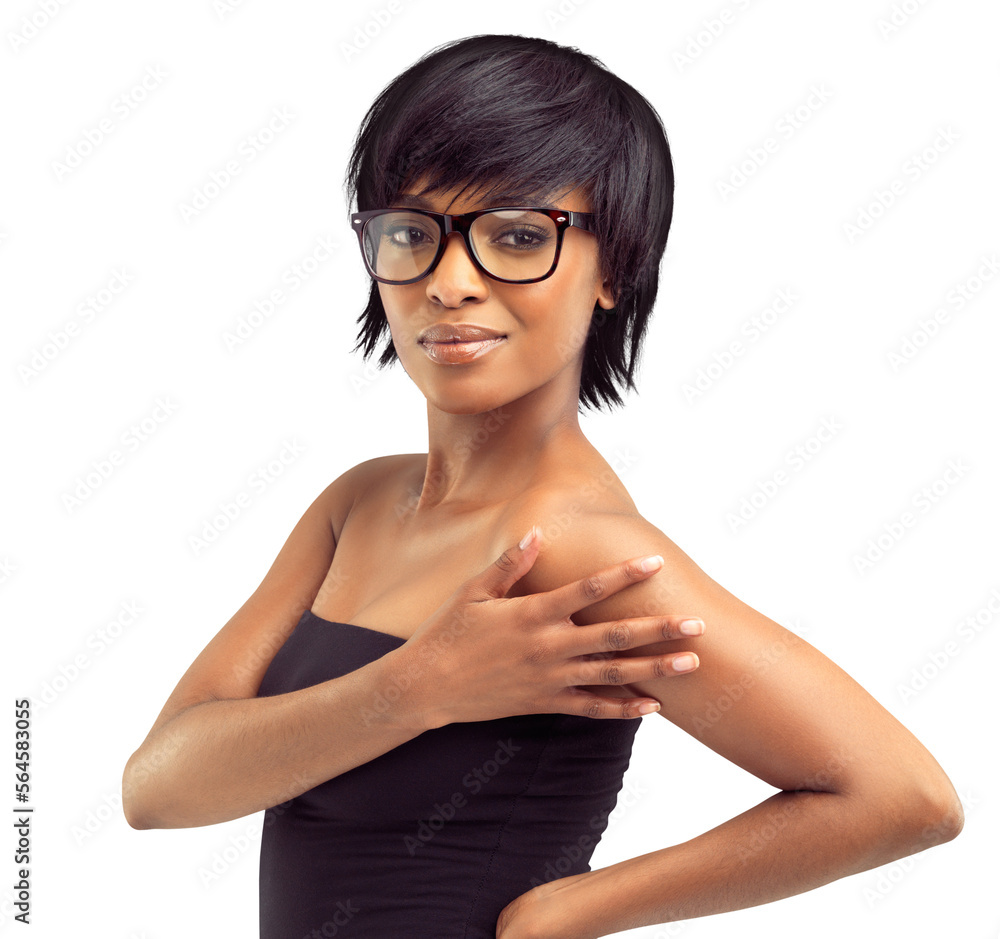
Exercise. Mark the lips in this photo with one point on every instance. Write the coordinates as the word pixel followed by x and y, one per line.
pixel 458 332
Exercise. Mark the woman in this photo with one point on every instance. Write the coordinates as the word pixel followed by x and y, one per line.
pixel 436 712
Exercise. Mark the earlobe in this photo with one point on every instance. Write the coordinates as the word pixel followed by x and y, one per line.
pixel 604 296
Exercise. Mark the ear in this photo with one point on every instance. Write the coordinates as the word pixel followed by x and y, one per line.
pixel 605 298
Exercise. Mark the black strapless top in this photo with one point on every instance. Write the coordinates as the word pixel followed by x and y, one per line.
pixel 432 839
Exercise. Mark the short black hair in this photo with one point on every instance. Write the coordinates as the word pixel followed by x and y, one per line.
pixel 529 117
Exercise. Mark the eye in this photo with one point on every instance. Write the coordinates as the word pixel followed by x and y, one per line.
pixel 408 236
pixel 521 237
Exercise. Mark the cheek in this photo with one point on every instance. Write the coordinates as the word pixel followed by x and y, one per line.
pixel 563 311
pixel 555 333
pixel 395 303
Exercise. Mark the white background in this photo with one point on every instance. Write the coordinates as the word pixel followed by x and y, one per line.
pixel 915 104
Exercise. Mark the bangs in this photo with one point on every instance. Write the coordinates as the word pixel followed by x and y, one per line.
pixel 491 119
pixel 497 192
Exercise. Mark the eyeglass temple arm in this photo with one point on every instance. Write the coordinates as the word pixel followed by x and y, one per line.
pixel 584 220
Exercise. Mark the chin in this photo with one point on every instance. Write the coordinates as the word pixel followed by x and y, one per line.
pixel 467 404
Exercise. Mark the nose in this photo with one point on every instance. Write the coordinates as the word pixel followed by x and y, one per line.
pixel 456 279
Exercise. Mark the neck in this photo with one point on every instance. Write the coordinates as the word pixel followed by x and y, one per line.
pixel 490 457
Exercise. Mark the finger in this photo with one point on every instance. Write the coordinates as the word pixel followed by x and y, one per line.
pixel 624 671
pixel 508 569
pixel 629 633
pixel 600 707
pixel 562 601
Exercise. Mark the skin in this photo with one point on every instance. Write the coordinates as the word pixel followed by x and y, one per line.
pixel 534 376
pixel 503 433
pixel 505 451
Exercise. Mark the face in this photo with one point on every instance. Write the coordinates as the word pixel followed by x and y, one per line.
pixel 541 327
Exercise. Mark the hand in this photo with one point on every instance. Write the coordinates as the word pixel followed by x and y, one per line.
pixel 482 655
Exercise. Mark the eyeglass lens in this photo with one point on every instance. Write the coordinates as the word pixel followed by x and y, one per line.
pixel 514 245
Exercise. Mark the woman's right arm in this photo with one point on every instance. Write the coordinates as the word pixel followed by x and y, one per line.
pixel 216 751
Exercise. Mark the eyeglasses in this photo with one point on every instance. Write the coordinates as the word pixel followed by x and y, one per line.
pixel 513 245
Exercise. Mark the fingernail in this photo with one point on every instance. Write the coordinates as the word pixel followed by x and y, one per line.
pixel 526 540
pixel 652 563
pixel 692 627
pixel 647 707
pixel 684 663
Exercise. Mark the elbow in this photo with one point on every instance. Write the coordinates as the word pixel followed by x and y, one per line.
pixel 934 812
pixel 132 790
pixel 944 819
pixel 135 820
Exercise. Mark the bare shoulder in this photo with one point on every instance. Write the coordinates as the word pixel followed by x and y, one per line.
pixel 588 521
pixel 579 543
pixel 580 538
pixel 762 696
pixel 380 468
pixel 371 476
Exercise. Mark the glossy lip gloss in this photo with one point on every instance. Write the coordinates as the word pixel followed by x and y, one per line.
pixel 458 353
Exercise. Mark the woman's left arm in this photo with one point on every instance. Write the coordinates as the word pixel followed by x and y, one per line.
pixel 858 790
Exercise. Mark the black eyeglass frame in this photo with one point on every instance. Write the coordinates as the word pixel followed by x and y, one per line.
pixel 462 224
